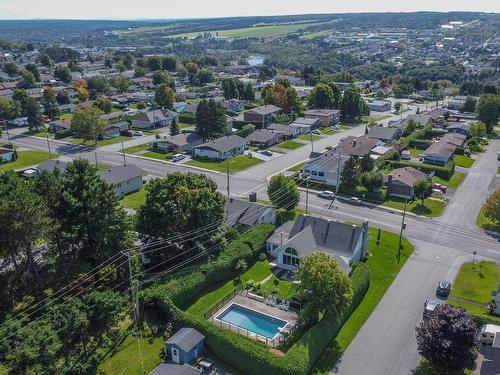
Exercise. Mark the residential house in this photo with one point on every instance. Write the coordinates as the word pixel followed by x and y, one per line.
pixel 263 115
pixel 437 115
pixel 50 165
pixel 185 346
pixel 327 117
pixel 384 134
pixel 125 178
pixel 153 119
pixel 288 131
pixel 177 143
pixel 422 118
pixel 60 125
pixel 18 121
pixel 312 123
pixel 458 102
pixel 242 213
pixel 379 105
pixel 263 138
pixel 459 127
pixel 6 155
pixel 295 81
pixel 325 168
pixel 174 369
pixel 401 180
pixel 358 146
pixel 308 234
pixel 114 130
pixel 67 108
pixel 233 105
pixel 439 153
pixel 456 139
pixel 220 148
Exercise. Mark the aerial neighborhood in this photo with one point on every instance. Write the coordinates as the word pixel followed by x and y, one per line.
pixel 282 195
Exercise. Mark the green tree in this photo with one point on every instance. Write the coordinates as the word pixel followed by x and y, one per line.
pixel 88 123
pixel 283 192
pixel 349 176
pixel 139 72
pixel 98 84
pixel 62 97
pixel 8 108
pixel 11 68
pixel 422 189
pixel 120 83
pixel 478 130
pixel 469 105
pixel 45 60
pixel 366 163
pixel 397 106
pixel 28 79
pixel 49 102
pixel 174 127
pixel 323 285
pixel 241 267
pixel 179 203
pixel 21 98
pixel 104 104
pixel 169 63
pixel 488 110
pixel 249 94
pixel 63 74
pixel 448 338
pixel 337 94
pixel 352 105
pixel 321 96
pixel 492 207
pixel 233 88
pixel 160 77
pixel 372 181
pixel 153 63
pixel 164 96
pixel 210 119
pixel 35 120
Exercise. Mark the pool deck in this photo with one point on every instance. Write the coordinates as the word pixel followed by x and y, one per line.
pixel 290 316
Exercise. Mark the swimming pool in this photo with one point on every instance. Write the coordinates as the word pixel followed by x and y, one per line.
pixel 253 321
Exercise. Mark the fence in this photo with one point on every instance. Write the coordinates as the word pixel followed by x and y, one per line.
pixel 221 302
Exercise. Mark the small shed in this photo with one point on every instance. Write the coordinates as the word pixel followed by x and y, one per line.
pixel 185 346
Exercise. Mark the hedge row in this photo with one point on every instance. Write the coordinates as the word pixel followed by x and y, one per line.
pixel 185 288
pixel 244 132
pixel 443 172
pixel 251 357
pixel 419 143
pixel 187 118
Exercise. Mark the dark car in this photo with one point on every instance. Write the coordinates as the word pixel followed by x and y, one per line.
pixel 443 289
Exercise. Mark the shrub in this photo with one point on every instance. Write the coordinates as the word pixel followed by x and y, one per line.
pixel 442 172
pixel 187 118
pixel 262 257
pixel 243 132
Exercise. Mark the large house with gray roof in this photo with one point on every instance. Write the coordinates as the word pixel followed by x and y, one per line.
pixel 263 115
pixel 294 240
pixel 125 178
pixel 153 119
pixel 325 167
pixel 220 148
pixel 242 213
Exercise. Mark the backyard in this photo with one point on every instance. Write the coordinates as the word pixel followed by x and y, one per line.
pixel 463 161
pixel 451 183
pixel 26 159
pixel 236 164
pixel 134 200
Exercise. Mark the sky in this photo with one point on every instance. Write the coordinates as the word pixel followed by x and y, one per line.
pixel 167 9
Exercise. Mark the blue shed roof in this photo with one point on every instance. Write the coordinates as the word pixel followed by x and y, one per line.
pixel 186 338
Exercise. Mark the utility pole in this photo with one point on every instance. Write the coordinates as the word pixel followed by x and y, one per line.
pixel 307 195
pixel 312 142
pixel 403 225
pixel 48 143
pixel 227 172
pixel 124 157
pixel 95 157
pixel 338 171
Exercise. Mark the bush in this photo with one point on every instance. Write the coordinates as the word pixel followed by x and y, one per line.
pixel 187 118
pixel 262 257
pixel 243 132
pixel 443 172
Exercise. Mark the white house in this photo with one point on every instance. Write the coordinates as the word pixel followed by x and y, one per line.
pixel 220 148
pixel 325 168
pixel 292 241
pixel 125 178
pixel 6 155
pixel 19 121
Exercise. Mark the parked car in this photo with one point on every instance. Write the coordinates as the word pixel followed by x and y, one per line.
pixel 30 173
pixel 136 133
pixel 429 308
pixel 267 152
pixel 443 289
pixel 316 131
pixel 487 333
pixel 178 157
pixel 443 188
pixel 327 194
pixel 354 200
pixel 126 133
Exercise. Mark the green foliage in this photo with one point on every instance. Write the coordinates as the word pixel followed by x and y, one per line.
pixel 63 73
pixel 322 96
pixel 491 208
pixel 88 123
pixel 352 105
pixel 488 110
pixel 422 189
pixel 104 104
pixel 28 79
pixel 210 119
pixel 469 105
pixel 372 181
pixel 164 96
pixel 366 163
pixel 443 172
pixel 478 130
pixel 139 72
pixel 349 175
pixel 49 102
pixel 283 192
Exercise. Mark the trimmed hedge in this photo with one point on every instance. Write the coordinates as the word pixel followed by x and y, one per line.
pixel 443 172
pixel 187 118
pixel 251 357
pixel 419 143
pixel 243 132
pixel 185 288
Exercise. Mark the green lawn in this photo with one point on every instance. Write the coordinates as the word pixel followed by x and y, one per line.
pixel 135 149
pixel 126 359
pixel 453 182
pixel 40 133
pixel 485 223
pixel 100 143
pixel 415 152
pixel 384 268
pixel 290 145
pixel 307 137
pixel 481 314
pixel 258 272
pixel 427 368
pixel 26 159
pixel 158 155
pixel 296 167
pixel 236 164
pixel 431 207
pixel 134 200
pixel 66 116
pixel 183 125
pixel 463 161
pixel 284 289
pixel 498 170
pixel 476 283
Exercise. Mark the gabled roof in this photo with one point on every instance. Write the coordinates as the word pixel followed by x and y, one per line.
pixel 379 132
pixel 51 164
pixel 455 139
pixel 306 121
pixel 440 148
pixel 407 176
pixel 358 146
pixel 154 115
pixel 121 173
pixel 322 112
pixel 282 128
pixel 4 150
pixel 174 369
pixel 262 135
pixel 239 211
pixel 223 144
pixel 264 109
pixel 186 338
pixel 181 139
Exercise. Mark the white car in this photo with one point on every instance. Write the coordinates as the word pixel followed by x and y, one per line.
pixel 317 132
pixel 137 133
pixel 327 194
pixel 30 173
pixel 178 157
pixel 354 200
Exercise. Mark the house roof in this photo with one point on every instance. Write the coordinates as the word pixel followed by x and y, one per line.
pixel 242 212
pixel 459 125
pixel 440 148
pixel 65 123
pixel 182 139
pixel 306 121
pixel 119 173
pixel 322 112
pixel 453 138
pixel 327 162
pixel 262 135
pixel 223 144
pixel 4 150
pixel 264 109
pixel 51 164
pixel 358 146
pixel 186 338
pixel 407 176
pixel 379 132
pixel 174 369
pixel 282 128
pixel 119 125
pixel 155 115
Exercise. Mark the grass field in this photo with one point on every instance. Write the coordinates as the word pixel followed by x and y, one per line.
pixel 236 164
pixel 258 272
pixel 427 368
pixel 463 161
pixel 26 159
pixel 265 31
pixel 485 223
pixel 476 282
pixel 307 137
pixel 134 200
pixel 290 145
pixel 431 207
pixel 316 34
pixel 384 268
pixel 135 149
pixel 100 143
pixel 453 182
pixel 296 167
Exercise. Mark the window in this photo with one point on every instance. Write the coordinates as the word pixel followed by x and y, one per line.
pixel 174 351
pixel 314 173
pixel 321 174
pixel 291 257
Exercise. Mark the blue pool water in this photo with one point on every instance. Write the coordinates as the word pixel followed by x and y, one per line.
pixel 252 321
